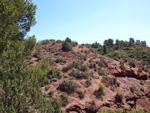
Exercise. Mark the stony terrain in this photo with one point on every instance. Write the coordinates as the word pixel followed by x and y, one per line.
pixel 132 86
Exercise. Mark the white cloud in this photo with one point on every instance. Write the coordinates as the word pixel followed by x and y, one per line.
pixel 147 32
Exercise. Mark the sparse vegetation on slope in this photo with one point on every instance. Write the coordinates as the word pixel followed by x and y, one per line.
pixel 54 75
pixel 68 86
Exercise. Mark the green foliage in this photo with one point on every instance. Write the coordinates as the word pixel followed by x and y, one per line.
pixel 88 83
pixel 95 45
pixel 132 64
pixel 66 46
pixel 119 110
pixel 113 55
pixel 80 75
pixel 131 41
pixel 138 42
pixel 117 44
pixel 109 42
pixel 132 89
pixel 15 20
pixel 41 71
pixel 108 81
pixel 143 43
pixel 100 92
pixel 129 54
pixel 30 44
pixel 101 72
pixel 56 106
pixel 54 74
pixel 75 64
pixel 122 65
pixel 101 87
pixel 38 52
pixel 92 107
pixel 68 86
pixel 114 82
pixel 20 84
pixel 104 49
pixel 59 60
pixel 64 99
pixel 68 40
pixel 119 97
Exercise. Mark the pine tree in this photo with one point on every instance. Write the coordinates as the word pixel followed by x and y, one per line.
pixel 117 44
pixel 19 86
pixel 16 19
pixel 104 49
pixel 66 46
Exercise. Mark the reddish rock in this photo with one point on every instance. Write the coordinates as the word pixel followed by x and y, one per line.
pixel 127 78
pixel 143 104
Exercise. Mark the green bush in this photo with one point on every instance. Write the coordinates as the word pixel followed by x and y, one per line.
pixel 106 80
pixel 95 45
pixel 119 110
pixel 41 71
pixel 110 81
pixel 57 73
pixel 64 99
pixel 59 60
pixel 66 46
pixel 78 65
pixel 88 83
pixel 115 82
pixel 122 65
pixel 119 97
pixel 38 52
pixel 54 74
pixel 100 92
pixel 68 40
pixel 68 86
pixel 80 75
pixel 68 67
pixel 132 89
pixel 101 72
pixel 56 105
pixel 65 69
pixel 92 107
pixel 132 64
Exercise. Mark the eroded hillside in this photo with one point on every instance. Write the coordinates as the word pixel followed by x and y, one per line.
pixel 86 82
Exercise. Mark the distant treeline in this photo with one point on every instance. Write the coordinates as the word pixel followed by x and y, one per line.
pixel 110 42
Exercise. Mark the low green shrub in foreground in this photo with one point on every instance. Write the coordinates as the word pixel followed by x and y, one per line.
pixel 119 110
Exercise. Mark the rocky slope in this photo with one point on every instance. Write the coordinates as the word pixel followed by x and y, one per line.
pixel 124 86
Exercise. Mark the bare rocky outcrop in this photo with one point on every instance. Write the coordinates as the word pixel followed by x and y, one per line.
pixel 114 69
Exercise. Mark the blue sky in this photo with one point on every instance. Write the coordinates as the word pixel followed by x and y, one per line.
pixel 87 21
